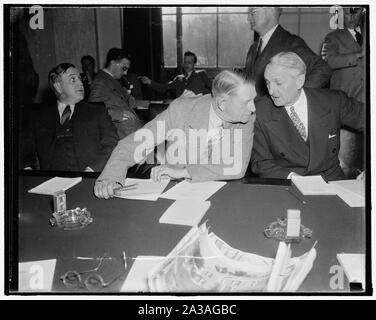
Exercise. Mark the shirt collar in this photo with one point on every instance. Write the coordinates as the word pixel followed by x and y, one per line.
pixel 107 71
pixel 266 37
pixel 188 74
pixel 61 107
pixel 214 120
pixel 299 102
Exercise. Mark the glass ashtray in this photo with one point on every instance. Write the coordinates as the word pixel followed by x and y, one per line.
pixel 277 230
pixel 73 219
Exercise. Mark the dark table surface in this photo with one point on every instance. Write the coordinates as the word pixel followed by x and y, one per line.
pixel 238 214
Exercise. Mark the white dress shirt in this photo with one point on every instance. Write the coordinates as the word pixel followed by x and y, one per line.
pixel 352 32
pixel 61 107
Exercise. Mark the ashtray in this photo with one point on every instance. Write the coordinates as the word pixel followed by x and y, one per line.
pixel 277 230
pixel 71 219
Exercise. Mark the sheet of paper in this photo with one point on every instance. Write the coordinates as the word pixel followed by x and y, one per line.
pixel 312 185
pixel 53 185
pixel 351 191
pixel 196 190
pixel 145 189
pixel 185 212
pixel 137 278
pixel 142 104
pixel 354 266
pixel 36 276
pixel 355 186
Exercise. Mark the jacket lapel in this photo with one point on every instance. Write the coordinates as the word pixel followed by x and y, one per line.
pixel 284 130
pixel 318 130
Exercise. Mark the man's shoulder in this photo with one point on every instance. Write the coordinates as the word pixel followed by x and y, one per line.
pixel 91 107
pixel 101 77
pixel 339 33
pixel 190 104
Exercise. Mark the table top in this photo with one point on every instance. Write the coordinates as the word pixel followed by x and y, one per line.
pixel 238 214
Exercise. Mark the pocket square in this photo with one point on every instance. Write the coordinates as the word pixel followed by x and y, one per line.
pixel 331 136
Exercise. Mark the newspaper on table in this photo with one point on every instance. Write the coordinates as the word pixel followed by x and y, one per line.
pixel 202 262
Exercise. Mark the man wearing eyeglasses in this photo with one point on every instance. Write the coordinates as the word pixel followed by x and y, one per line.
pixel 274 39
pixel 107 88
pixel 70 135
pixel 344 50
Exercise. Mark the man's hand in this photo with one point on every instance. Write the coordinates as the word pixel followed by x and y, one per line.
pixel 105 188
pixel 145 80
pixel 166 171
pixel 128 115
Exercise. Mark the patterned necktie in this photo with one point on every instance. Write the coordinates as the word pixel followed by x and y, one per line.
pixel 66 114
pixel 298 123
pixel 358 37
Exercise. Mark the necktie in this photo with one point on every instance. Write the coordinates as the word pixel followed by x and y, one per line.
pixel 66 114
pixel 259 45
pixel 358 37
pixel 298 123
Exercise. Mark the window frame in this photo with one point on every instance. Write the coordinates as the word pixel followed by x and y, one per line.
pixel 212 70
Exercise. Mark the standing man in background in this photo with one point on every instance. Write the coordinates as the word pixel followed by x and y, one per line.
pixel 344 51
pixel 274 39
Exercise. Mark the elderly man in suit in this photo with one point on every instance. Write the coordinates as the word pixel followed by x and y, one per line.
pixel 223 122
pixel 107 88
pixel 344 51
pixel 297 129
pixel 274 39
pixel 70 135
pixel 193 80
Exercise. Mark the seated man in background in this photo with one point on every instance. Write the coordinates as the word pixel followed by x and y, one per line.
pixel 107 88
pixel 131 82
pixel 88 73
pixel 192 80
pixel 223 120
pixel 70 135
pixel 297 130
pixel 344 50
pixel 274 39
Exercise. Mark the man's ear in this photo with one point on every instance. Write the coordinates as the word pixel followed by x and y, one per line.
pixel 57 87
pixel 300 81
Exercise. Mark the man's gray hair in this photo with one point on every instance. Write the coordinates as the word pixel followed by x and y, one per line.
pixel 227 82
pixel 289 60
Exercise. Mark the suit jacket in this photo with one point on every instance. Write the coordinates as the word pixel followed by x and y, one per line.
pixel 348 70
pixel 198 82
pixel 318 72
pixel 118 102
pixel 278 149
pixel 94 136
pixel 184 114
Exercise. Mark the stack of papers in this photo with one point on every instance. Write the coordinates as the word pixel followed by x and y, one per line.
pixel 198 190
pixel 312 185
pixel 55 184
pixel 185 212
pixel 144 189
pixel 137 278
pixel 354 267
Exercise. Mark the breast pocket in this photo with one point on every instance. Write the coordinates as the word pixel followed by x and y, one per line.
pixel 334 142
